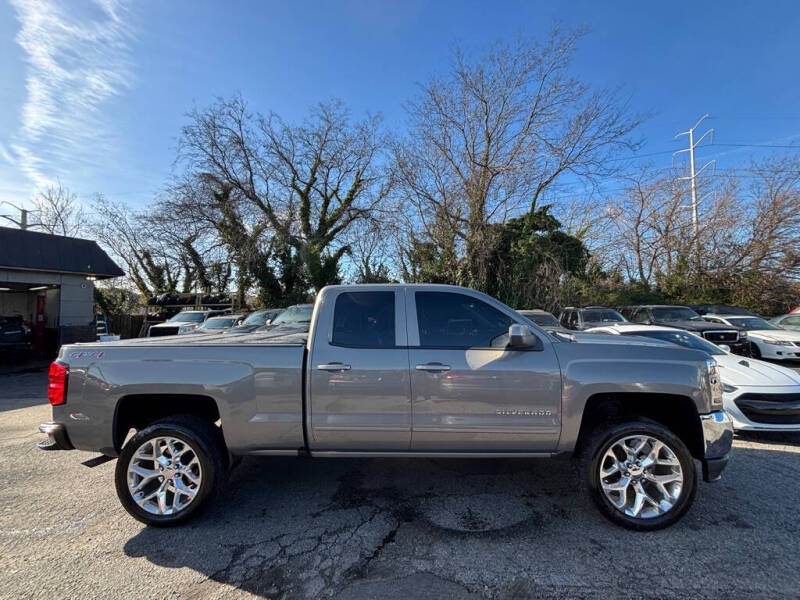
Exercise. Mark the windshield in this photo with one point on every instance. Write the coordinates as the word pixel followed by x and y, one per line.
pixel 676 313
pixel 258 318
pixel 189 317
pixel 542 319
pixel 604 315
pixel 299 313
pixel 219 323
pixel 682 338
pixel 750 323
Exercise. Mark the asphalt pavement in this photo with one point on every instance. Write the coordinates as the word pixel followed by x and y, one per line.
pixel 386 528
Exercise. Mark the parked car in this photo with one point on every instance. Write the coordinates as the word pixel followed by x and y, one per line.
pixel 766 340
pixel 482 379
pixel 543 319
pixel 184 322
pixel 297 316
pixel 721 309
pixel 790 322
pixel 757 395
pixel 255 320
pixel 216 325
pixel 685 318
pixel 16 340
pixel 591 316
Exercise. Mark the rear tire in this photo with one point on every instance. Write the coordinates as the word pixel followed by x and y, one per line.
pixel 645 489
pixel 170 470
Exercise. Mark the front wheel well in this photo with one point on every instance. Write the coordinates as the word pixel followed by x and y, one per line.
pixel 675 412
pixel 140 410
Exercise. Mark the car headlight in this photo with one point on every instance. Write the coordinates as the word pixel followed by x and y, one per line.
pixel 716 384
pixel 743 335
pixel 777 343
pixel 728 388
pixel 190 327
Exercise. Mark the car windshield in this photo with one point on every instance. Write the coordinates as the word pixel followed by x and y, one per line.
pixel 542 319
pixel 676 313
pixel 219 323
pixel 682 338
pixel 604 315
pixel 751 323
pixel 189 317
pixel 257 318
pixel 299 313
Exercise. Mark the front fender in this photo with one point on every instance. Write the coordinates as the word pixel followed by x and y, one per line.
pixel 586 377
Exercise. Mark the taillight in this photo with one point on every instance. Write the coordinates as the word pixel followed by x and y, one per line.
pixel 57 383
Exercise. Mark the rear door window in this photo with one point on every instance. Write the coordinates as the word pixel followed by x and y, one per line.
pixel 364 320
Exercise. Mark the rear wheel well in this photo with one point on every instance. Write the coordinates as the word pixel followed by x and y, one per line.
pixel 138 411
pixel 677 413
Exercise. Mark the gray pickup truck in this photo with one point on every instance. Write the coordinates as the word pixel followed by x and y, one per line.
pixel 395 370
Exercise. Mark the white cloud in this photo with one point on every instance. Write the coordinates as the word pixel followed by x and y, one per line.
pixel 6 155
pixel 77 59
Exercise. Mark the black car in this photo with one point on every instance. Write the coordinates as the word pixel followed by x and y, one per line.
pixel 721 309
pixel 15 336
pixel 255 320
pixel 591 316
pixel 683 317
pixel 543 319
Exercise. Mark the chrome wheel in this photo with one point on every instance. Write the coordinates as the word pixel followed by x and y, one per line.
pixel 164 475
pixel 641 476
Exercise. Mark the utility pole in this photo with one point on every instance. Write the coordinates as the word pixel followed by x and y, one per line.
pixel 693 176
pixel 22 223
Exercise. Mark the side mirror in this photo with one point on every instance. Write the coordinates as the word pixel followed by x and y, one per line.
pixel 725 347
pixel 519 336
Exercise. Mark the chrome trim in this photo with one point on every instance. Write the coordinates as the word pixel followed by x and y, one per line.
pixel 717 434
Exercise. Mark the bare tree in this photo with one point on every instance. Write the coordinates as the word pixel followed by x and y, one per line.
pixel 58 211
pixel 749 223
pixel 310 181
pixel 151 262
pixel 490 138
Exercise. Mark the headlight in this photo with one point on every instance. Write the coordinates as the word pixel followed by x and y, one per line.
pixel 189 327
pixel 777 343
pixel 716 384
pixel 743 335
pixel 728 388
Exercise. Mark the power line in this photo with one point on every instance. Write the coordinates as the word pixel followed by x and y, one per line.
pixel 759 145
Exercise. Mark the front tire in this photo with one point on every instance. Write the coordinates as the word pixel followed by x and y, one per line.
pixel 170 470
pixel 639 474
pixel 754 351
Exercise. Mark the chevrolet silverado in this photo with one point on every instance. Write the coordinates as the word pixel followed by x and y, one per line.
pixel 395 371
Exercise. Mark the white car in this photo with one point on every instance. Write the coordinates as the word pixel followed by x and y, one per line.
pixel 757 395
pixel 766 340
pixel 790 321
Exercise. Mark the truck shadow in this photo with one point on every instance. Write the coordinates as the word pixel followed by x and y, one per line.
pixel 289 527
pixel 300 528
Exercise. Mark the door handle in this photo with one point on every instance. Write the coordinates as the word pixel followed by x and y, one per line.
pixel 334 367
pixel 433 367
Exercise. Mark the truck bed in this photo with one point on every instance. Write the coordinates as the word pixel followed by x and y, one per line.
pixel 256 383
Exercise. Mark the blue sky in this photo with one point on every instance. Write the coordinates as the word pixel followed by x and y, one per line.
pixel 94 93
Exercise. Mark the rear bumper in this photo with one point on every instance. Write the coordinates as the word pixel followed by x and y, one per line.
pixel 717 443
pixel 56 437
